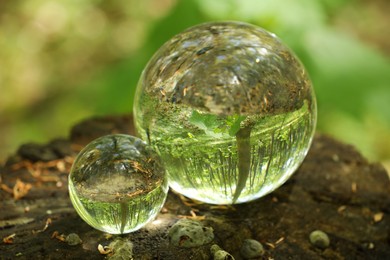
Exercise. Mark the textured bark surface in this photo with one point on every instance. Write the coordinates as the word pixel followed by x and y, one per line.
pixel 335 190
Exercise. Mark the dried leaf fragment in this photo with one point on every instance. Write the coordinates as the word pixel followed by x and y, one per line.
pixel 270 245
pixel 378 216
pixel 193 215
pixel 354 187
pixel 341 209
pixel 57 235
pixel 274 244
pixel 38 169
pixel 223 207
pixel 280 240
pixel 48 222
pixel 6 188
pixel 60 165
pixel 9 239
pixel 189 202
pixel 104 250
pixel 136 165
pixel 21 189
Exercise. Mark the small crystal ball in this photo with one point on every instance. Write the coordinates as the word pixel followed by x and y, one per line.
pixel 117 184
pixel 229 108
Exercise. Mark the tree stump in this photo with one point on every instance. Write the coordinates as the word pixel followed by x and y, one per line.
pixel 335 190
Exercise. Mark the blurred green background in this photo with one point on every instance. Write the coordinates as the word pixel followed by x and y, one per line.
pixel 66 60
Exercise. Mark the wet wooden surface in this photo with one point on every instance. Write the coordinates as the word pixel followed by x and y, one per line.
pixel 335 190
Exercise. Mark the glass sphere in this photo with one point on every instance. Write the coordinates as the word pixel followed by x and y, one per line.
pixel 229 108
pixel 117 184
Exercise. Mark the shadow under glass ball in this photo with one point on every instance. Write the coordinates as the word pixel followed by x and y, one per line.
pixel 229 108
pixel 117 184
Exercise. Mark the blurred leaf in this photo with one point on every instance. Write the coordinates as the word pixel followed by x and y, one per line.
pixel 234 124
pixel 377 103
pixel 65 60
pixel 118 83
pixel 204 121
pixel 345 71
pixel 332 6
pixel 275 15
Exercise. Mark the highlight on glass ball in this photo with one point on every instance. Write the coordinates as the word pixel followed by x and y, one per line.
pixel 117 184
pixel 229 108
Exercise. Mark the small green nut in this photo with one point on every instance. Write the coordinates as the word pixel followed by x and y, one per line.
pixel 73 239
pixel 190 233
pixel 122 249
pixel 251 249
pixel 319 239
pixel 220 254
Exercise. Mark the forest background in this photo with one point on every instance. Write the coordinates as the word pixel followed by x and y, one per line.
pixel 64 61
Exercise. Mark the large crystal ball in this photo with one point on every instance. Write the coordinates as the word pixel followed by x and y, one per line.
pixel 117 184
pixel 229 108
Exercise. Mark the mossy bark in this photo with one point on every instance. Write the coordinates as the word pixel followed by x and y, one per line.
pixel 335 190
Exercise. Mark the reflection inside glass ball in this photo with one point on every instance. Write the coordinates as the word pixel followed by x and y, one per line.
pixel 229 108
pixel 117 184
